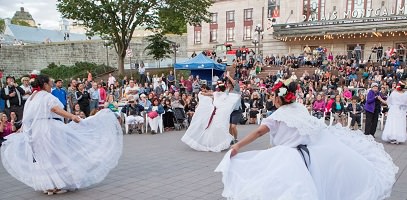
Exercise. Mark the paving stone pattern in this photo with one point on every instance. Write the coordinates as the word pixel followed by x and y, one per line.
pixel 160 167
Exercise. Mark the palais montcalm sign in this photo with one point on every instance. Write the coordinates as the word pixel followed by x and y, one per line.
pixel 358 13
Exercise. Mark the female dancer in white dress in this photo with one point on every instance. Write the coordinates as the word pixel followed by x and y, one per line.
pixel 209 128
pixel 51 156
pixel 309 160
pixel 395 128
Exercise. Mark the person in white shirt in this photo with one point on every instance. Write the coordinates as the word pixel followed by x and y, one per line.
pixel 26 87
pixel 111 80
pixel 131 91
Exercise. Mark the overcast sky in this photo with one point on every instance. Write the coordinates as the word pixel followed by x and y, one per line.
pixel 44 12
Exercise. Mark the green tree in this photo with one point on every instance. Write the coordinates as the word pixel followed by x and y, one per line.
pixel 118 19
pixel 159 47
pixel 20 22
pixel 2 25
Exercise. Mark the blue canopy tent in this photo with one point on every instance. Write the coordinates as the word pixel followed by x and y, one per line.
pixel 202 66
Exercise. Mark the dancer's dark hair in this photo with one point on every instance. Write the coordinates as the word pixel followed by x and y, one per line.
pixel 39 81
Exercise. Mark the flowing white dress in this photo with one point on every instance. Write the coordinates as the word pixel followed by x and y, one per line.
pixel 216 136
pixel 343 164
pixel 49 154
pixel 395 128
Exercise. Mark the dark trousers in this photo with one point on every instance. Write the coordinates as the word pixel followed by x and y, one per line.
pixel 371 122
pixel 355 118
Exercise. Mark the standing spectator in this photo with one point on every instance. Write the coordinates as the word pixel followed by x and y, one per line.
pixel 13 95
pixel 142 71
pixel 71 95
pixel 26 87
pixel 83 99
pixel 102 95
pixel 6 127
pixel 89 76
pixel 372 108
pixel 94 97
pixel 60 93
pixel 131 91
pixel 358 52
pixel 188 84
pixel 379 52
pixel 170 79
pixel 111 79
pixel 195 86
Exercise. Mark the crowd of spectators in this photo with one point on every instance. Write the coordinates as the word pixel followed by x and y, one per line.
pixel 334 84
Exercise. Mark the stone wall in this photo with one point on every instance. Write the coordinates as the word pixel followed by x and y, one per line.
pixel 20 60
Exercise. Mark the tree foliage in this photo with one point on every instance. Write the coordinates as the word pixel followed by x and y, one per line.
pixel 2 25
pixel 20 22
pixel 118 19
pixel 159 46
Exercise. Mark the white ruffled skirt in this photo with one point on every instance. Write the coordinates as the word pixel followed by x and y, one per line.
pixel 395 128
pixel 344 165
pixel 65 156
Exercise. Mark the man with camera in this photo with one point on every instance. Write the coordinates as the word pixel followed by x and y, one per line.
pixel 133 111
pixel 13 95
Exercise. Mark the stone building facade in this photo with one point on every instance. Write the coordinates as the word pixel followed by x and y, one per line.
pixel 20 60
pixel 290 25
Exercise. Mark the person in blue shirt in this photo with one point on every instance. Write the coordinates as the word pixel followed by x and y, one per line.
pixel 59 92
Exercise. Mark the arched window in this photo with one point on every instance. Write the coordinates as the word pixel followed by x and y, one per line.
pixel 314 9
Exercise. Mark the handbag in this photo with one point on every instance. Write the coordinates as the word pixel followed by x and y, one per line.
pixel 152 114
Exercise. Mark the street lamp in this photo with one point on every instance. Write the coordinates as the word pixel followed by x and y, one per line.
pixel 259 30
pixel 175 47
pixel 255 42
pixel 106 43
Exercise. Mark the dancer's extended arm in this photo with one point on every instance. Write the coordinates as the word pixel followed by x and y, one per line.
pixel 260 131
pixel 61 112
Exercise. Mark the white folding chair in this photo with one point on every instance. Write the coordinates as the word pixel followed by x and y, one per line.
pixel 160 123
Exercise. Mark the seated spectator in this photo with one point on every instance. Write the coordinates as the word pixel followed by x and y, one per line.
pixel 176 101
pixel 270 107
pixel 190 106
pixel 255 106
pixel 318 107
pixel 144 101
pixel 82 115
pixel 17 123
pixel 168 116
pixel 76 108
pixel 338 110
pixel 355 111
pixel 153 115
pixel 133 111
pixel 6 127
pixel 112 105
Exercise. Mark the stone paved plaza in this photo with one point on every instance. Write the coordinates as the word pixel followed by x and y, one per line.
pixel 160 167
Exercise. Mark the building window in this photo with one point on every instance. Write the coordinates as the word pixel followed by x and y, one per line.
pixel 230 16
pixel 214 18
pixel 356 8
pixel 230 34
pixel 197 37
pixel 248 14
pixel 247 34
pixel 314 9
pixel 213 35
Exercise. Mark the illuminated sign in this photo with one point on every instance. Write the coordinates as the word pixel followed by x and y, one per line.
pixel 357 13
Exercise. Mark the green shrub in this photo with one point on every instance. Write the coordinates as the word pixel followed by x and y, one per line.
pixel 79 70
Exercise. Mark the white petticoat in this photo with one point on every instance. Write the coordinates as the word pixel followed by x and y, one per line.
pixel 68 156
pixel 216 136
pixel 344 165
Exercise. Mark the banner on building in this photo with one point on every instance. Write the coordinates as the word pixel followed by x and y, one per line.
pixel 273 8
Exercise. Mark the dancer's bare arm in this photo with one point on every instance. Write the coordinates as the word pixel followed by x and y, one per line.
pixel 260 131
pixel 61 112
